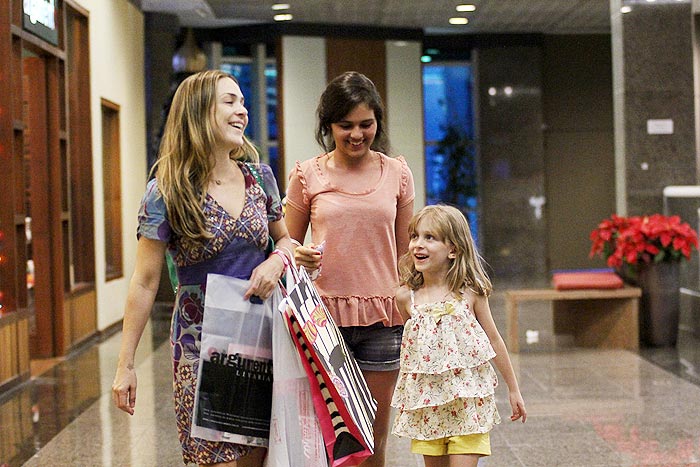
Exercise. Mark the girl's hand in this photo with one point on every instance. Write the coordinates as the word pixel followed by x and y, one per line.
pixel 124 388
pixel 309 256
pixel 265 277
pixel 518 407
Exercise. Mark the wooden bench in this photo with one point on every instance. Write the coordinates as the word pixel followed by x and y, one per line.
pixel 602 318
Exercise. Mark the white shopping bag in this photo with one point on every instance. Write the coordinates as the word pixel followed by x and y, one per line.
pixel 295 434
pixel 233 397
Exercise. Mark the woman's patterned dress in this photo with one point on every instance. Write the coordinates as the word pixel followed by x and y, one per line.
pixel 236 248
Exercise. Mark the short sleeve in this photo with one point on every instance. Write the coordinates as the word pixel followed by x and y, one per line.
pixel 274 201
pixel 407 190
pixel 297 193
pixel 152 217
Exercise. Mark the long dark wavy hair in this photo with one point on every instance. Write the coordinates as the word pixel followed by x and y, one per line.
pixel 340 97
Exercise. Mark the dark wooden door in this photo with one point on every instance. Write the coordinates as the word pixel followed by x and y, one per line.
pixel 37 203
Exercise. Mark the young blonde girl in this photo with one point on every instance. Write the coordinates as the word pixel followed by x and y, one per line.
pixel 445 393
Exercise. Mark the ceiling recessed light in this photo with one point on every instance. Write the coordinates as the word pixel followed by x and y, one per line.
pixel 280 6
pixel 459 20
pixel 466 7
pixel 283 17
pixel 625 9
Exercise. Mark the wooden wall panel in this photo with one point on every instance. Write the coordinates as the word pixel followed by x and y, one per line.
pixel 36 153
pixel 14 349
pixel 60 259
pixel 80 148
pixel 16 423
pixel 23 346
pixel 83 322
pixel 7 169
pixel 8 365
pixel 365 56
pixel 36 135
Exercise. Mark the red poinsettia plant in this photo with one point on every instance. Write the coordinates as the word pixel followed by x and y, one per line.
pixel 643 239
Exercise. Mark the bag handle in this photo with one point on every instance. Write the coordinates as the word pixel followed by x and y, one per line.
pixel 291 275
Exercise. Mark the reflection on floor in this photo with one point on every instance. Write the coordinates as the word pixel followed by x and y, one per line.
pixel 586 408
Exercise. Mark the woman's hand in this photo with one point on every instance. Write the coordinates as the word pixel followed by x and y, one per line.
pixel 124 388
pixel 143 287
pixel 309 256
pixel 265 277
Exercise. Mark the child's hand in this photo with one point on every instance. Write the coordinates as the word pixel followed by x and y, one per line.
pixel 517 404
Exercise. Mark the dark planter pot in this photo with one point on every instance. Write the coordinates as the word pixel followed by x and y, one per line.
pixel 659 307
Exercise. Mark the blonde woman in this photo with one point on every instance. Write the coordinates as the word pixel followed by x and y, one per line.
pixel 207 209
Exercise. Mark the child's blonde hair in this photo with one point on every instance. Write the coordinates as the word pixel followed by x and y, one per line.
pixel 450 226
pixel 184 162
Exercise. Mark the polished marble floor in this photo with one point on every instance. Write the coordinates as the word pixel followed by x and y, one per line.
pixel 586 407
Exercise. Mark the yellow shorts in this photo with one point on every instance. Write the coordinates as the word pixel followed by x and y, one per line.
pixel 478 443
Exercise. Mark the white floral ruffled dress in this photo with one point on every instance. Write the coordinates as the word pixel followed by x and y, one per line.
pixel 446 384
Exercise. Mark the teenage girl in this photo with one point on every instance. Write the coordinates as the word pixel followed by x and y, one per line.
pixel 445 392
pixel 354 190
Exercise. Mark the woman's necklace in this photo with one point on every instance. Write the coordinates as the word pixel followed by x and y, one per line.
pixel 219 181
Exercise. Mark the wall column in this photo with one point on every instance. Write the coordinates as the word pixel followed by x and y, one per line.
pixel 653 102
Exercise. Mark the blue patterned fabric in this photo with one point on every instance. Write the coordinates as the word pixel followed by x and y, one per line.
pixel 236 247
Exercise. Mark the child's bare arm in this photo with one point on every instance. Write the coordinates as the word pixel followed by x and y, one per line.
pixel 403 302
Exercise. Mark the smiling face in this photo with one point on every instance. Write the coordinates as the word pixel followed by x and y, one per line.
pixel 354 134
pixel 229 114
pixel 431 254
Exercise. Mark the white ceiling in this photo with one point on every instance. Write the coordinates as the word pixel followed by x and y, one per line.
pixel 491 16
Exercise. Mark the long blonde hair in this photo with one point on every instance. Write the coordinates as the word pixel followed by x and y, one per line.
pixel 184 160
pixel 467 269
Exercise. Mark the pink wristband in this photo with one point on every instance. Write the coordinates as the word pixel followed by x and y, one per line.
pixel 282 256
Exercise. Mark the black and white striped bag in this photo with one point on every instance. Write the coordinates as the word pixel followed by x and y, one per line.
pixel 342 401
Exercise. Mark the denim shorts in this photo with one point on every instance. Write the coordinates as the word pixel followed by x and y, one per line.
pixel 375 347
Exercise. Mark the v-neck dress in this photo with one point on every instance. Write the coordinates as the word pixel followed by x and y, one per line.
pixel 237 246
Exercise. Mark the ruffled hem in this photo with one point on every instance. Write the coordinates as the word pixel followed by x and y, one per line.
pixel 459 417
pixel 415 391
pixel 362 311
